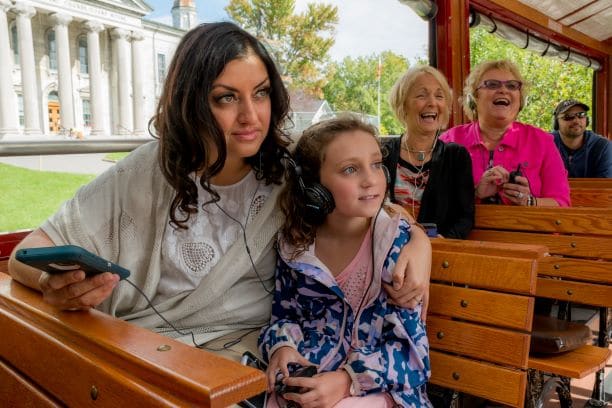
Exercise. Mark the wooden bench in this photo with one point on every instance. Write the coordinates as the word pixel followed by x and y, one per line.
pixel 54 358
pixel 579 240
pixel 480 316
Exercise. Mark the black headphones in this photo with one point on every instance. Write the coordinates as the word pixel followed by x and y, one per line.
pixel 556 121
pixel 318 201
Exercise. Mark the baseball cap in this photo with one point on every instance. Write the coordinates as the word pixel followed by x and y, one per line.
pixel 563 106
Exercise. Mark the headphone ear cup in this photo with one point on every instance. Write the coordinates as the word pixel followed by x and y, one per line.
pixel 318 203
pixel 471 102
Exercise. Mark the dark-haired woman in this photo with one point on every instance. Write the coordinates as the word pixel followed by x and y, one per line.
pixel 192 215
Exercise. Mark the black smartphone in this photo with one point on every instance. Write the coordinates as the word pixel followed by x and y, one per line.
pixel 513 174
pixel 259 400
pixel 65 258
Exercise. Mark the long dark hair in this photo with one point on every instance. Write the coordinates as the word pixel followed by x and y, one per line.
pixel 186 127
pixel 309 155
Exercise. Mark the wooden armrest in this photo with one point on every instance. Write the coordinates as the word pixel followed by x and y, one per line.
pixel 82 356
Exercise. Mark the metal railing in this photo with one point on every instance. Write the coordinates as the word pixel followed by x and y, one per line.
pixel 51 147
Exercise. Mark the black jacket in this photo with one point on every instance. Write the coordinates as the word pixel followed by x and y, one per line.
pixel 448 199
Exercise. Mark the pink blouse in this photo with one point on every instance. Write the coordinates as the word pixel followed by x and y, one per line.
pixel 533 148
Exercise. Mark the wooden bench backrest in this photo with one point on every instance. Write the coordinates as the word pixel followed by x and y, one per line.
pixel 591 197
pixel 579 240
pixel 480 314
pixel 54 358
pixel 590 183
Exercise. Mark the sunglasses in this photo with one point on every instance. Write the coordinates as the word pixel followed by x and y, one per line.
pixel 511 85
pixel 572 116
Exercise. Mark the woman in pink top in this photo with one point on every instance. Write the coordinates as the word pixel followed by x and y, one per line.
pixel 512 163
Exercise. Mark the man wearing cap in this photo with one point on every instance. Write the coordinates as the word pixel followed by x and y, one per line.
pixel 584 153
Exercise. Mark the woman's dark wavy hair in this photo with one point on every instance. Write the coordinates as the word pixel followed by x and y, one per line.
pixel 186 127
pixel 309 155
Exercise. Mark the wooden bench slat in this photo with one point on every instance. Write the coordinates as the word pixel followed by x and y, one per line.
pixel 590 182
pixel 500 346
pixel 575 364
pixel 569 220
pixel 497 309
pixel 591 197
pixel 489 248
pixel 578 292
pixel 491 272
pixel 579 269
pixel 568 245
pixel 17 391
pixel 495 383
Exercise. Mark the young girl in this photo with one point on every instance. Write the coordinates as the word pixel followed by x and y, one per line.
pixel 336 248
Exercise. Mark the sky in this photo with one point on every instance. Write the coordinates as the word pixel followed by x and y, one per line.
pixel 365 27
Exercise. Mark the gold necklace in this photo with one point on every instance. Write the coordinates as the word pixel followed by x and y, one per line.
pixel 421 154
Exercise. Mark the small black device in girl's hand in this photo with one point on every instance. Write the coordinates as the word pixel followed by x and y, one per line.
pixel 295 370
pixel 66 258
pixel 259 400
pixel 514 174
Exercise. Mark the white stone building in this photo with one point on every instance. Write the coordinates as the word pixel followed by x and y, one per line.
pixel 96 66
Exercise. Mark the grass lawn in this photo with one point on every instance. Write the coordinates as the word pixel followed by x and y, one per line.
pixel 29 196
pixel 115 157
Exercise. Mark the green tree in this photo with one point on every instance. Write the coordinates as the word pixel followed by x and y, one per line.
pixel 299 43
pixel 549 79
pixel 353 86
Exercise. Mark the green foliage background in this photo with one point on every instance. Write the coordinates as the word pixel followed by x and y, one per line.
pixel 353 86
pixel 298 42
pixel 550 80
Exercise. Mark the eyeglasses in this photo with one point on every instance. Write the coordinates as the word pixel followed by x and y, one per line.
pixel 572 116
pixel 511 84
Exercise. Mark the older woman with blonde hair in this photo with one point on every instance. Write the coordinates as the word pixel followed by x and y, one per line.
pixel 512 163
pixel 430 178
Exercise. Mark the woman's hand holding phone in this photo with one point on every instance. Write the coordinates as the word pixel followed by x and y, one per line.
pixel 74 291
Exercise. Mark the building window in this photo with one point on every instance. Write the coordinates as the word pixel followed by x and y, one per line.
pixel 86 113
pixel 161 68
pixel 83 55
pixel 20 110
pixel 52 50
pixel 15 43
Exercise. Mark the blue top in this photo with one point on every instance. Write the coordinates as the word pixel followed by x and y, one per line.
pixel 593 159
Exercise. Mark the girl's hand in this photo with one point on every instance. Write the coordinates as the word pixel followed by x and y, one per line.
pixel 73 291
pixel 278 363
pixel 490 181
pixel 518 193
pixel 411 274
pixel 321 391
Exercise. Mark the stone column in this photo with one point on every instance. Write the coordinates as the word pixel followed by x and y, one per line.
pixel 28 68
pixel 95 77
pixel 122 50
pixel 64 69
pixel 137 86
pixel 8 117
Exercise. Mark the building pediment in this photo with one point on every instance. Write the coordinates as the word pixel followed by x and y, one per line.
pixel 123 12
pixel 137 6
